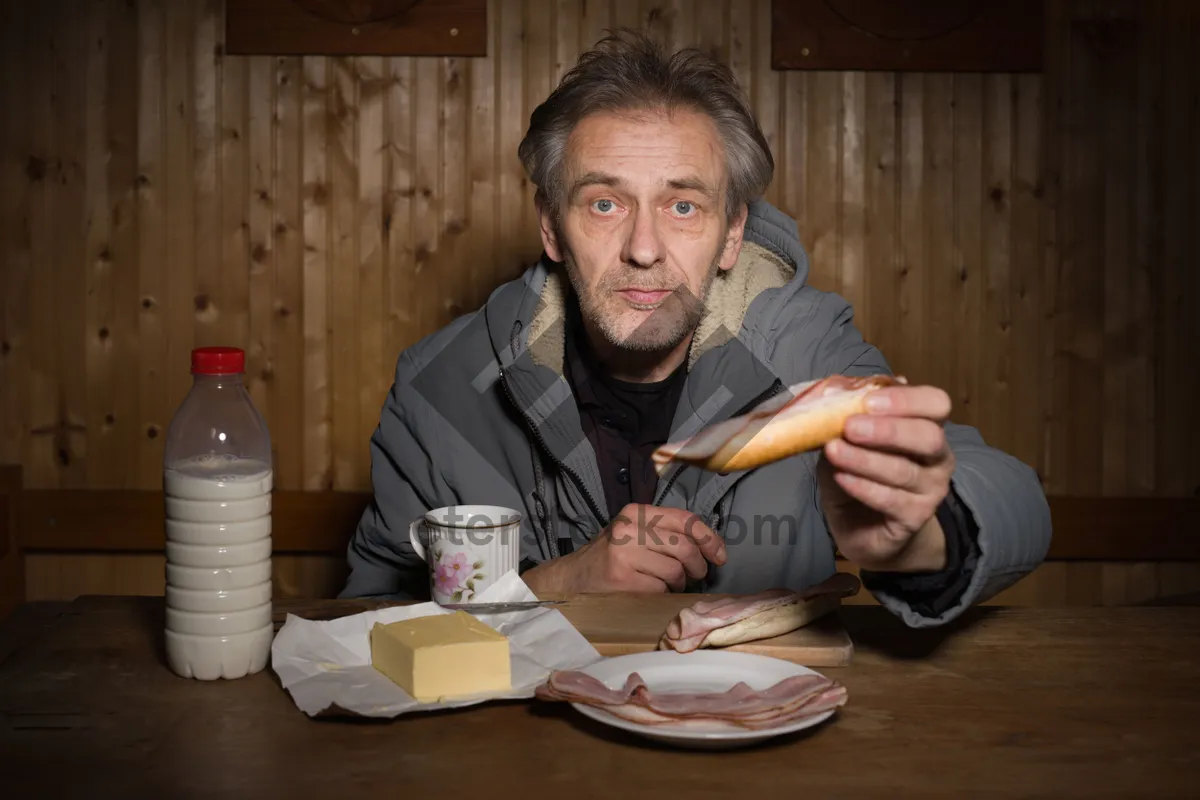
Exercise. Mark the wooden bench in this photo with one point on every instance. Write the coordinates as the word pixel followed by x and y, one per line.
pixel 100 521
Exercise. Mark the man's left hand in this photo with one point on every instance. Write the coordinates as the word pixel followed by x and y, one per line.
pixel 882 482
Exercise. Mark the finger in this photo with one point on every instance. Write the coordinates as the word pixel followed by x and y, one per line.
pixel 656 526
pixel 634 581
pixel 919 437
pixel 661 531
pixel 661 567
pixel 910 509
pixel 929 402
pixel 682 549
pixel 886 468
pixel 711 546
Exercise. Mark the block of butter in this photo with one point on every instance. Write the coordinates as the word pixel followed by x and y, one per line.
pixel 442 656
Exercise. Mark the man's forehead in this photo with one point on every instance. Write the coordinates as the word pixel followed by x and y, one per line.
pixel 621 179
pixel 682 151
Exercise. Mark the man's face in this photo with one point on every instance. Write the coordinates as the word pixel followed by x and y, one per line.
pixel 643 226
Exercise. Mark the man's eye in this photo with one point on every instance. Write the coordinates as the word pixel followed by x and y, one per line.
pixel 683 208
pixel 603 206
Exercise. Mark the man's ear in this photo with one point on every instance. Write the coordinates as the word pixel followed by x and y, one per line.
pixel 733 239
pixel 547 227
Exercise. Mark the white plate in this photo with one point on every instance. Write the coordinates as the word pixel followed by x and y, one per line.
pixel 698 671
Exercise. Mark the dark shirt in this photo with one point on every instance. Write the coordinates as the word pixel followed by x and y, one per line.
pixel 626 422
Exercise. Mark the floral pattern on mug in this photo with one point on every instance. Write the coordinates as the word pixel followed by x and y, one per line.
pixel 452 575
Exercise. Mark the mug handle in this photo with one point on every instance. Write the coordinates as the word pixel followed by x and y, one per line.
pixel 415 539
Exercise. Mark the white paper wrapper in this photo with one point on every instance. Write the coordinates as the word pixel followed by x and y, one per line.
pixel 326 665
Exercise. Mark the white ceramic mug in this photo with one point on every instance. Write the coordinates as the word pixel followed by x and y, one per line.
pixel 467 548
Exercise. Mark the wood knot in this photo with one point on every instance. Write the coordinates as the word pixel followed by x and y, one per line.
pixel 147 302
pixel 997 196
pixel 152 431
pixel 264 196
pixel 284 312
pixel 201 302
pixel 109 419
pixel 35 168
pixel 320 194
pixel 455 227
pixel 5 348
pixel 422 253
pixel 102 334
pixel 280 228
pixel 387 222
pixel 1106 37
pixel 105 255
pixel 427 193
pixel 267 373
pixel 259 254
pixel 142 181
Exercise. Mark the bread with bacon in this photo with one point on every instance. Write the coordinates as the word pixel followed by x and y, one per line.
pixel 804 417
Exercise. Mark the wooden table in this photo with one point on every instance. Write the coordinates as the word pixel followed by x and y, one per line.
pixel 1006 702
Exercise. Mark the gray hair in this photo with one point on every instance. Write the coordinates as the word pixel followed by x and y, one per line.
pixel 627 70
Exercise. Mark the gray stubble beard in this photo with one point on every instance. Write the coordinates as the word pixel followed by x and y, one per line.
pixel 673 321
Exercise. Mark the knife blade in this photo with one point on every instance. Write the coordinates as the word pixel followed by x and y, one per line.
pixel 496 608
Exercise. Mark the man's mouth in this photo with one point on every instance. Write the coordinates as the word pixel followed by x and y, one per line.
pixel 645 297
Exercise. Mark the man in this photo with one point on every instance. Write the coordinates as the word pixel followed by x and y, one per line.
pixel 669 297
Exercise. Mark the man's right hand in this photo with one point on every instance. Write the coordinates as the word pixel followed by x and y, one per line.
pixel 644 549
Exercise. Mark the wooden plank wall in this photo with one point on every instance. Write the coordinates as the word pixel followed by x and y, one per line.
pixel 1022 240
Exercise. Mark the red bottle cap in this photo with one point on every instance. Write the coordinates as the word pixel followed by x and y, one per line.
pixel 218 361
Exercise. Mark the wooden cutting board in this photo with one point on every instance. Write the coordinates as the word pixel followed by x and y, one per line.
pixel 618 624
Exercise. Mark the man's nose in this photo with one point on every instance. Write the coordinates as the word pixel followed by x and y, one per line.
pixel 644 246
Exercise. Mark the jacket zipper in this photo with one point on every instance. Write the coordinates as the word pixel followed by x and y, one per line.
pixel 774 389
pixel 600 515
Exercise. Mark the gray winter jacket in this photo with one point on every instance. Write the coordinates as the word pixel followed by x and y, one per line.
pixel 480 413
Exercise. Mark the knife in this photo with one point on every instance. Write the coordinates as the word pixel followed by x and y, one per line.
pixel 495 608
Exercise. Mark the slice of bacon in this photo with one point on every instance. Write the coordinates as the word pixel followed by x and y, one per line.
pixel 692 626
pixel 740 706
pixel 831 698
pixel 567 684
pixel 739 700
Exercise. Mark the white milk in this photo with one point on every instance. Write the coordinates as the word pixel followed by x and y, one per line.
pixel 218 591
